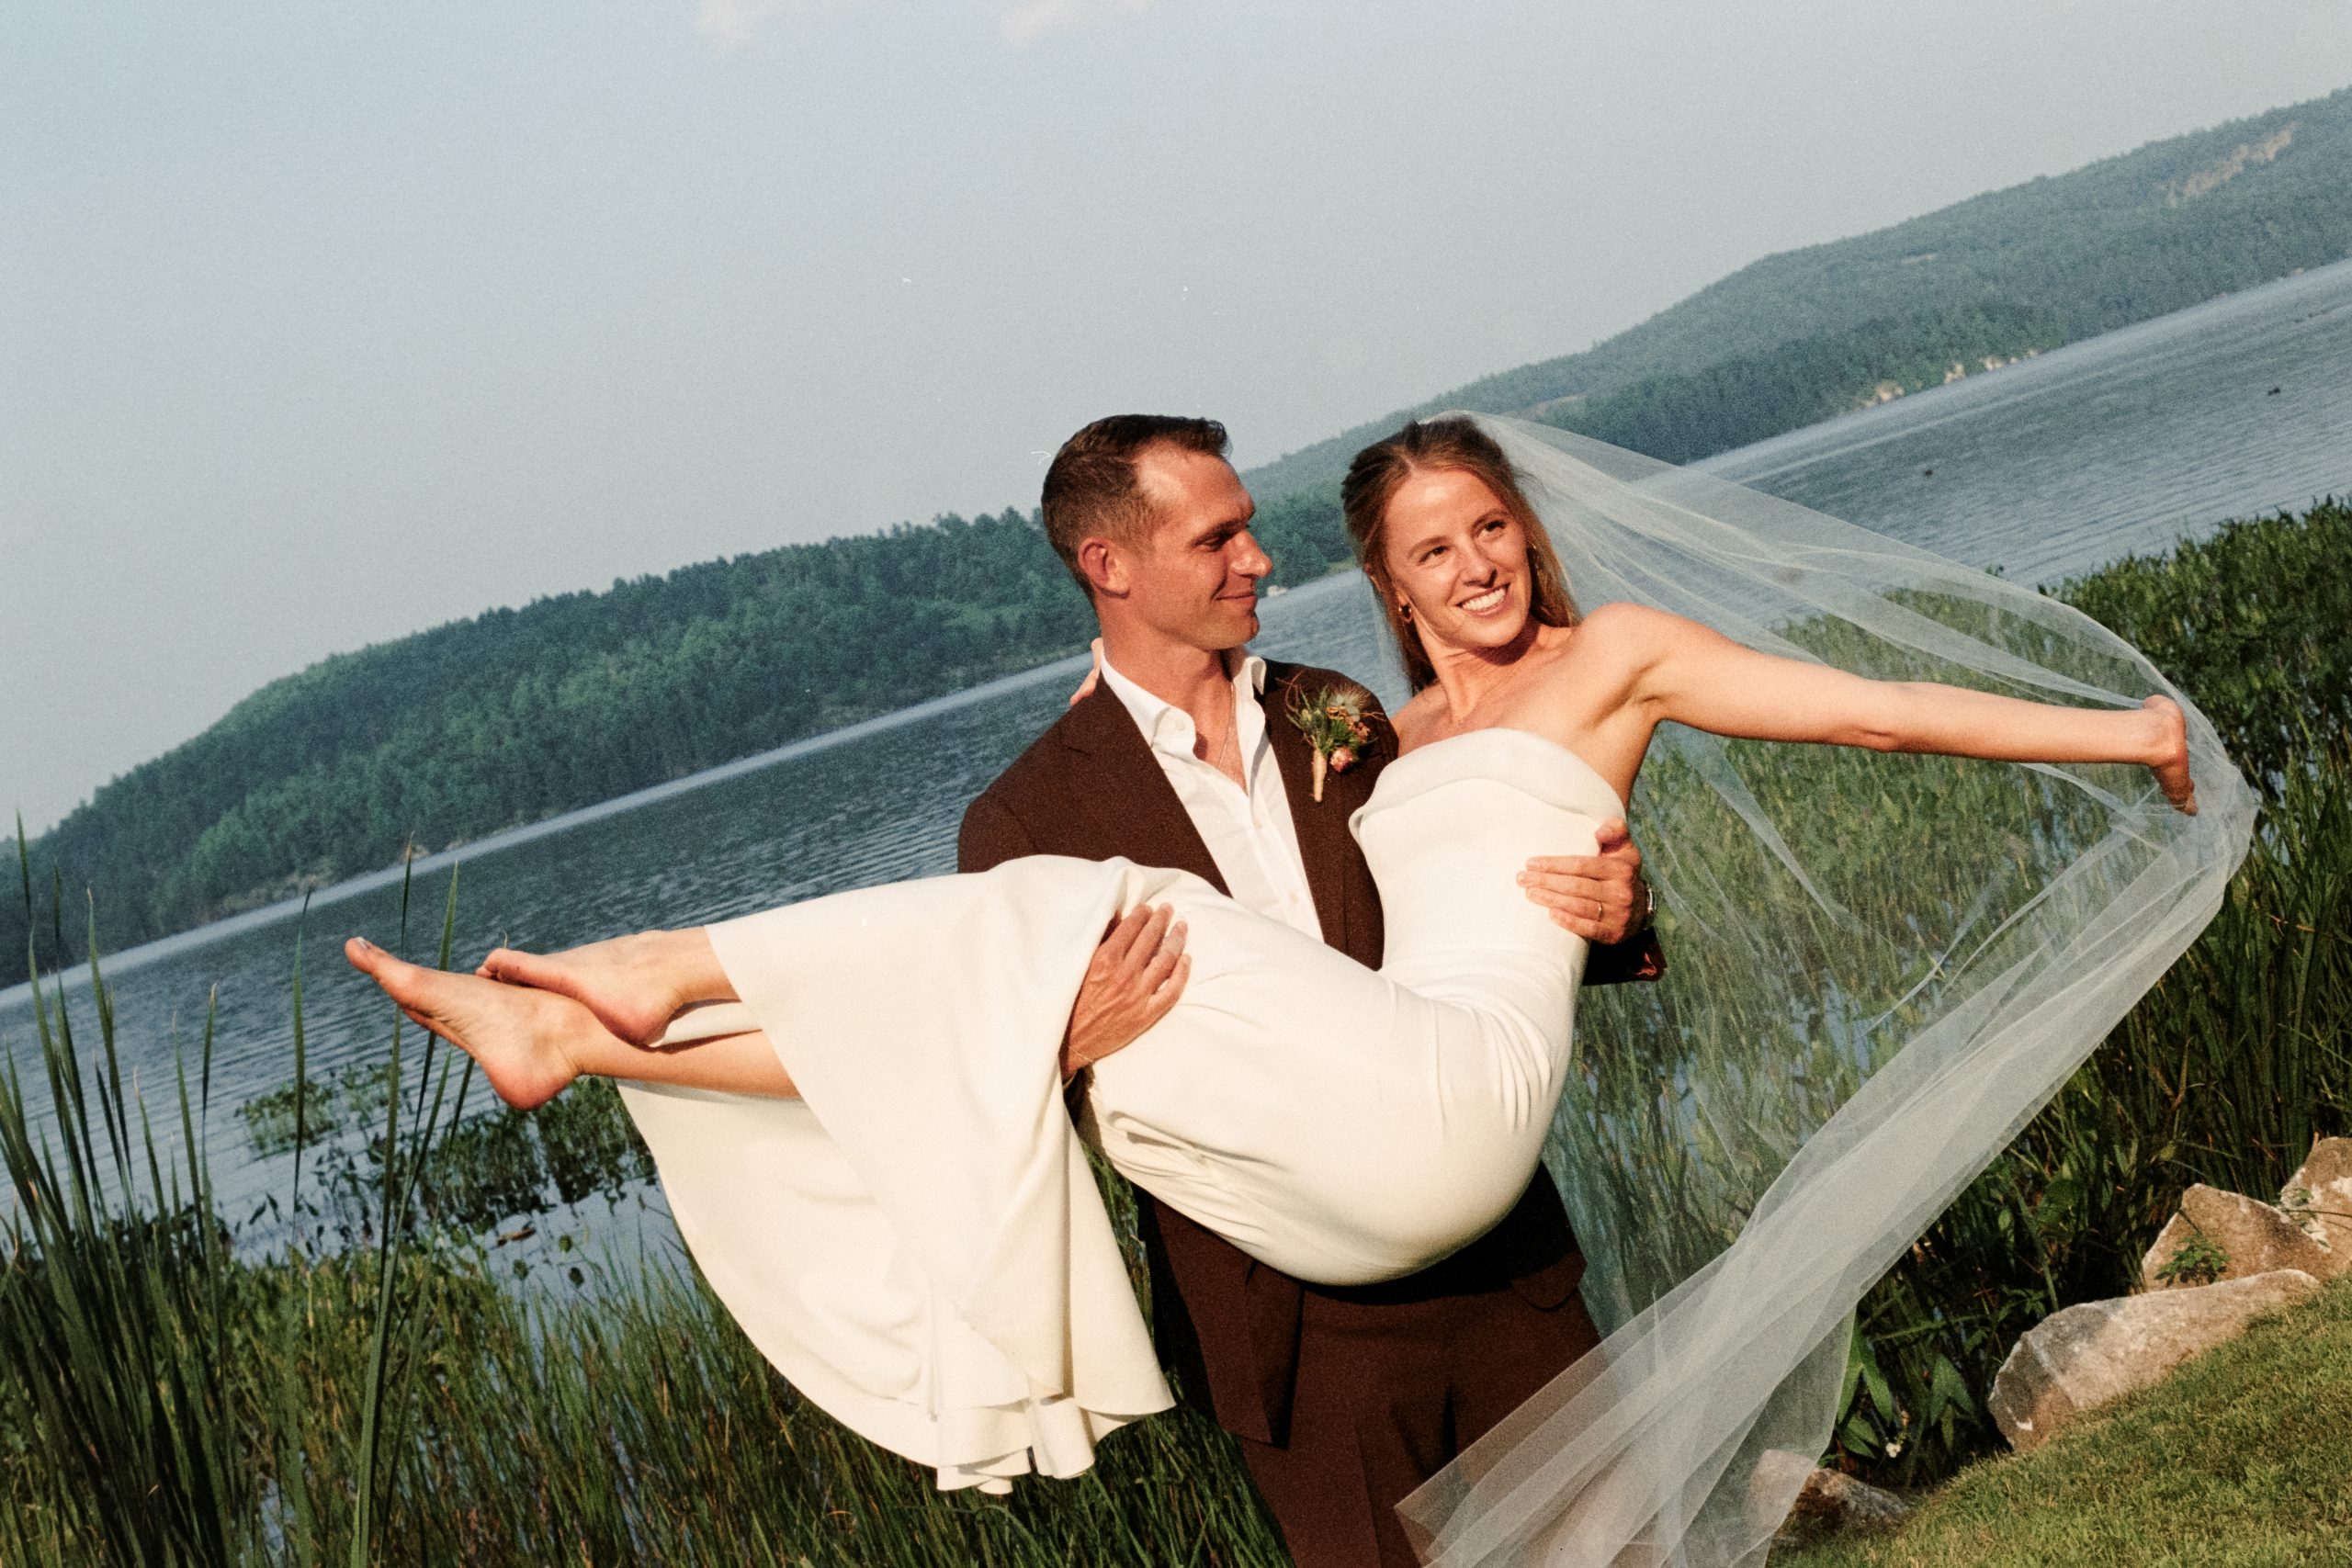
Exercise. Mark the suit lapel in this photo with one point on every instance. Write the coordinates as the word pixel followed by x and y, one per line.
pixel 1127 799
pixel 1321 826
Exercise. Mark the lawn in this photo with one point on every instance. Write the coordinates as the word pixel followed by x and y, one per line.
pixel 2243 1458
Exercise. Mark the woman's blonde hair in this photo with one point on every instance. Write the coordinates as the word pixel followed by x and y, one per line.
pixel 1435 443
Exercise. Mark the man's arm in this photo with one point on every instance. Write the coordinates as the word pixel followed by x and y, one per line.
pixel 1602 898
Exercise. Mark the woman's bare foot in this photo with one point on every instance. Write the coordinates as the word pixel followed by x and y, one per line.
pixel 2170 763
pixel 635 985
pixel 515 1034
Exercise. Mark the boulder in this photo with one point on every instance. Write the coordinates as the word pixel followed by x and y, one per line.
pixel 2319 1197
pixel 2076 1359
pixel 1838 1501
pixel 2254 1239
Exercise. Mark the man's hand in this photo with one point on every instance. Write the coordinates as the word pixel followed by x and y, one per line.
pixel 1133 979
pixel 1597 897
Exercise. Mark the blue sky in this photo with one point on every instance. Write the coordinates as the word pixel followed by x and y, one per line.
pixel 322 324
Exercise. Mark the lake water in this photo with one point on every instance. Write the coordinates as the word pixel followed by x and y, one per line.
pixel 2045 468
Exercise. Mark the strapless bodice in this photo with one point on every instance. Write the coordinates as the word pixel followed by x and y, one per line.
pixel 1447 831
pixel 1528 762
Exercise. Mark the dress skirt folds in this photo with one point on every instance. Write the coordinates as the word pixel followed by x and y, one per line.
pixel 917 1243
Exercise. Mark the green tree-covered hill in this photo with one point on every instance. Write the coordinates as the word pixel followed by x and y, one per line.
pixel 2047 261
pixel 518 714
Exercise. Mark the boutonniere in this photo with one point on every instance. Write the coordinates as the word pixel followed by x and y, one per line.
pixel 1335 729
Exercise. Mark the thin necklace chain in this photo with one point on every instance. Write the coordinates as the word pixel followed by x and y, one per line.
pixel 1228 746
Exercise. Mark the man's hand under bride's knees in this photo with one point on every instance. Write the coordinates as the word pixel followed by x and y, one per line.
pixel 1601 897
pixel 1133 979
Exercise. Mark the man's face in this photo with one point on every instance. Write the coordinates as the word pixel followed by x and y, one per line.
pixel 1194 578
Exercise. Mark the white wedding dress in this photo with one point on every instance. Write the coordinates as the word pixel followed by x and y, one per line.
pixel 918 1245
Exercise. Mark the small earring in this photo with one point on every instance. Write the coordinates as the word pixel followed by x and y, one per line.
pixel 1404 610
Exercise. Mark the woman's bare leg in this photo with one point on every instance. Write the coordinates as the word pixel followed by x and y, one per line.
pixel 531 1042
pixel 635 985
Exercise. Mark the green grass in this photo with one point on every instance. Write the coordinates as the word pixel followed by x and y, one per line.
pixel 2240 1459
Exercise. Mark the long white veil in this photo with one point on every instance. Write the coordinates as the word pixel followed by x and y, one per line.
pixel 1879 967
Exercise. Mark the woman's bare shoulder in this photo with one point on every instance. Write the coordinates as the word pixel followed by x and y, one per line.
pixel 1629 636
pixel 1621 620
pixel 1578 681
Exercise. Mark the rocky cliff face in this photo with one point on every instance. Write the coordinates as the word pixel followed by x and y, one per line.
pixel 2229 167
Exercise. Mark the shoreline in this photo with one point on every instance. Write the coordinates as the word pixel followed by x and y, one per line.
pixel 2055 374
pixel 283 909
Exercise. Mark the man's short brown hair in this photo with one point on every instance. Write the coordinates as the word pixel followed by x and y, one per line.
pixel 1091 489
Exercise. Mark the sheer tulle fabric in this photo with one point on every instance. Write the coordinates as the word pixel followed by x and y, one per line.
pixel 1881 967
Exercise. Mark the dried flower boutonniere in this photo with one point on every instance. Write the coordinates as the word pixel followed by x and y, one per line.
pixel 1335 727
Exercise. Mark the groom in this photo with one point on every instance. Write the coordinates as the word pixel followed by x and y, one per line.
pixel 1344 1399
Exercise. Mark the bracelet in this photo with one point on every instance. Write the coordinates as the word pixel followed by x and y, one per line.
pixel 1648 916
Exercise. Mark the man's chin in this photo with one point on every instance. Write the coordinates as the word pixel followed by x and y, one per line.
pixel 1224 634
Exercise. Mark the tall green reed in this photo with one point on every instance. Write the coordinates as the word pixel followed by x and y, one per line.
pixel 1801 973
pixel 160 1406
pixel 2226 1071
pixel 113 1312
pixel 166 1401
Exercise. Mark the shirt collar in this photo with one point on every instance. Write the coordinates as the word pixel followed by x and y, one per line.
pixel 1169 727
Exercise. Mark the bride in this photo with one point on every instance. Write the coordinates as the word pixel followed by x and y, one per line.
pixel 854 1100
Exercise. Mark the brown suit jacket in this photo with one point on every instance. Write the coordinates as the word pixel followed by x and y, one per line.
pixel 1229 1324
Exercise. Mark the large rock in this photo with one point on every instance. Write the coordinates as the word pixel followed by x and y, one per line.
pixel 1839 1502
pixel 2319 1197
pixel 2254 1237
pixel 2079 1358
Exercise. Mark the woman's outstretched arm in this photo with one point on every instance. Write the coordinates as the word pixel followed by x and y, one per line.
pixel 1695 675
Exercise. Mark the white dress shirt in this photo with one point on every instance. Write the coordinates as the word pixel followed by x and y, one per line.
pixel 1248 833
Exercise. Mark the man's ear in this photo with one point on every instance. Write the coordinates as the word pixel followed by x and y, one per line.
pixel 1104 565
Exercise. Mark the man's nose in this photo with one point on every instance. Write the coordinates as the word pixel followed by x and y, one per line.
pixel 1247 559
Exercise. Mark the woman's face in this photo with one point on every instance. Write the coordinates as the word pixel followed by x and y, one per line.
pixel 1458 559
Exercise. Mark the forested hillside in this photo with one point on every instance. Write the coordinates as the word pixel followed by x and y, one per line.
pixel 518 714
pixel 1797 336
